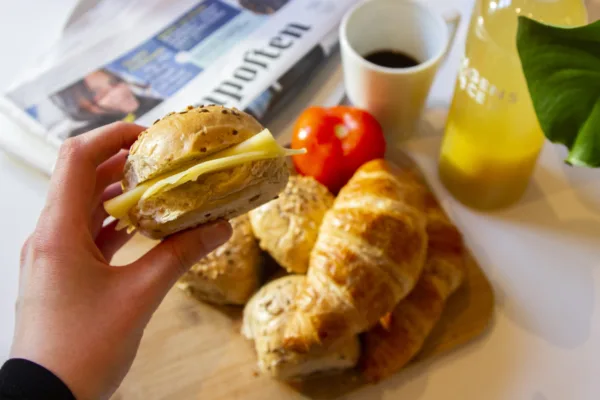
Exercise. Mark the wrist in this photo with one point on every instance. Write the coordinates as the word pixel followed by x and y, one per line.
pixel 64 366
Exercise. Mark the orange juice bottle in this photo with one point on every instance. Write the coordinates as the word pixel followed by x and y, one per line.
pixel 493 139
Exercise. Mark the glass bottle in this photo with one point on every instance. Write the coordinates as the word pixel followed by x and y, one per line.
pixel 493 139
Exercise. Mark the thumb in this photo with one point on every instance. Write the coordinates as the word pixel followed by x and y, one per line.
pixel 159 269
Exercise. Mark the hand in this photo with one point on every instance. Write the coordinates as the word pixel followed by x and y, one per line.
pixel 77 315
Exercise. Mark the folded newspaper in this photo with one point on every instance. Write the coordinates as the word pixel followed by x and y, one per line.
pixel 137 62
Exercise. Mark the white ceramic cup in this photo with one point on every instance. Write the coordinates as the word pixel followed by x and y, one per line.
pixel 395 96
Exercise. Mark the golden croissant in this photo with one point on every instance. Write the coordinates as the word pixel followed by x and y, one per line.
pixel 368 256
pixel 391 345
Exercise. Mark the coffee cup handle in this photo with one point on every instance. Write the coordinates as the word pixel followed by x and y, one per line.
pixel 452 18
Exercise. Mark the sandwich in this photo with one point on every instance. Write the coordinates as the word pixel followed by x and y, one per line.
pixel 196 166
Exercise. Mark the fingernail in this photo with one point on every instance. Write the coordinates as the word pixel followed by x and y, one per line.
pixel 215 234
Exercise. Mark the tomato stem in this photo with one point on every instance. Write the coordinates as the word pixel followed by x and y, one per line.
pixel 341 131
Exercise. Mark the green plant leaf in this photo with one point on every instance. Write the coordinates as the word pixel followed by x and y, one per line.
pixel 562 70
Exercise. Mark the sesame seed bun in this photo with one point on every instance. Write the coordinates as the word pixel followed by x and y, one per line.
pixel 181 140
pixel 184 138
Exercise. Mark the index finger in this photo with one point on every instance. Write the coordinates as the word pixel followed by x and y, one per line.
pixel 100 144
pixel 74 177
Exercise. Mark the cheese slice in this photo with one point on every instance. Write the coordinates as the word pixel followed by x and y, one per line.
pixel 262 146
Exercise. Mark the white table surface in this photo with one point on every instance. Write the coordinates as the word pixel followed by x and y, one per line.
pixel 542 255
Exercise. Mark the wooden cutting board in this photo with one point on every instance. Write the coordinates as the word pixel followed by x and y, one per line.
pixel 192 350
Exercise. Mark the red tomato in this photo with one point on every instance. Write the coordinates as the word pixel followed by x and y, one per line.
pixel 338 141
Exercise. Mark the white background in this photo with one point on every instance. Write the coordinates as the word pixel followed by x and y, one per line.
pixel 542 255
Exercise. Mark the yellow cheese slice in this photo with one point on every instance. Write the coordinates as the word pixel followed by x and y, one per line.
pixel 259 147
pixel 209 166
pixel 124 223
pixel 120 205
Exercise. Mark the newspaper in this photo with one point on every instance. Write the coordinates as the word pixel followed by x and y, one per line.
pixel 140 60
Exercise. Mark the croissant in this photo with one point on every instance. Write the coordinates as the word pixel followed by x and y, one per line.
pixel 391 345
pixel 368 256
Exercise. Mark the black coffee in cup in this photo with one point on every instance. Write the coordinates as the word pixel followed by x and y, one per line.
pixel 391 59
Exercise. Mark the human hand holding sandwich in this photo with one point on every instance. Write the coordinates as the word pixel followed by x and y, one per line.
pixel 81 318
pixel 77 316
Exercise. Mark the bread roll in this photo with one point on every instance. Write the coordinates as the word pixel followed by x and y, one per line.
pixel 265 318
pixel 288 226
pixel 391 345
pixel 231 273
pixel 182 140
pixel 368 256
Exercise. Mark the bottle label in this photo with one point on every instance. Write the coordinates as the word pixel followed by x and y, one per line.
pixel 479 88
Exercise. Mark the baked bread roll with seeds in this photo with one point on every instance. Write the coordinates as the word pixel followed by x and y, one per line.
pixel 231 273
pixel 196 166
pixel 287 227
pixel 265 318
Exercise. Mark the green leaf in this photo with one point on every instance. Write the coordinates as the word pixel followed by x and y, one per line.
pixel 562 70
